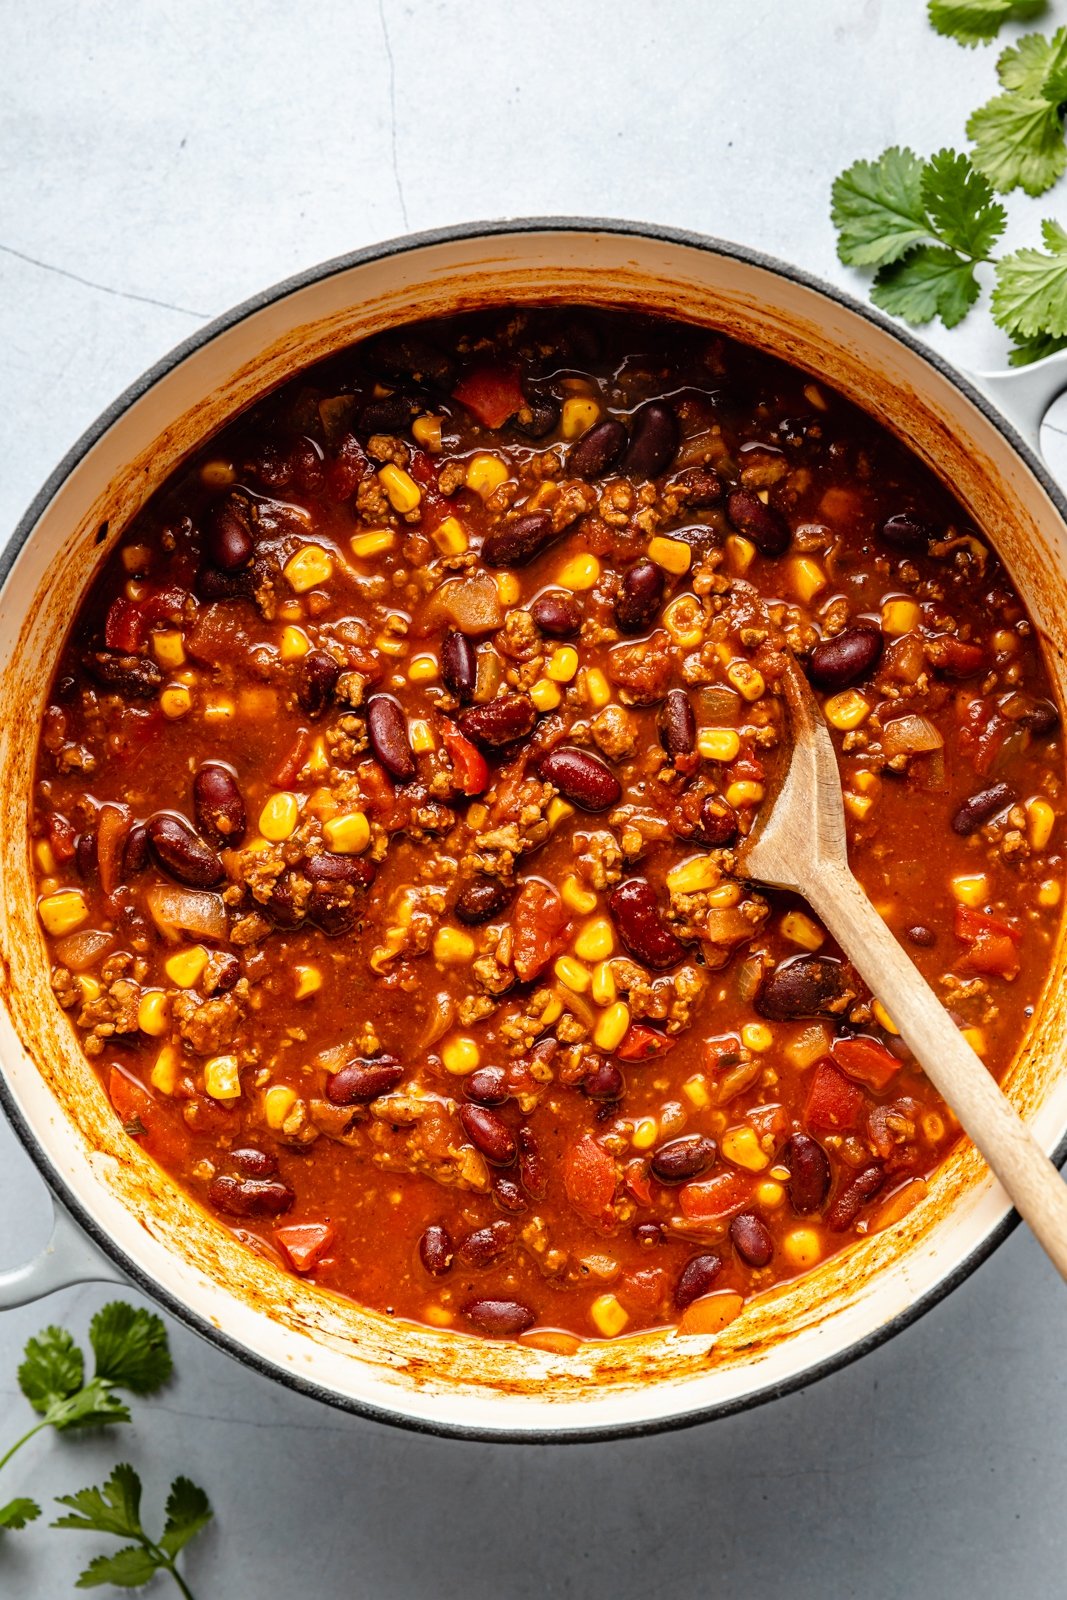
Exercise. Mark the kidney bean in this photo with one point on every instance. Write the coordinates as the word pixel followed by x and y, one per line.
pixel 847 1205
pixel 648 1234
pixel 333 904
pixel 317 678
pixel 751 1238
pixel 581 777
pixel 500 1319
pixel 701 486
pixel 508 1194
pixel 605 1082
pixel 487 1086
pixel 764 525
pixel 135 850
pixel 639 596
pixel 181 853
pixel 1040 716
pixel 482 899
pixel 513 544
pixel 85 856
pixel 539 415
pixel 459 664
pixel 226 971
pixel 852 654
pixel 281 907
pixel 532 1168
pixel 921 935
pixel 360 1081
pixel 809 1172
pixel 133 677
pixel 981 806
pixel 501 721
pixel 250 1197
pixel 489 1133
pixel 906 531
pixel 802 986
pixel 636 914
pixel 387 728
pixel 484 1245
pixel 718 823
pixel 697 1277
pixel 653 440
pixel 211 584
pixel 684 1158
pixel 408 355
pixel 557 614
pixel 218 806
pixel 677 725
pixel 254 1163
pixel 435 1249
pixel 598 449
pixel 228 542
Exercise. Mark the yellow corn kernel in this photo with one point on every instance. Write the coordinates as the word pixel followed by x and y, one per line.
pixel 168 648
pixel 900 616
pixel 374 543
pixel 278 1101
pixel 308 982
pixel 596 941
pixel 684 621
pixel 645 1134
pixel 718 744
pixel 971 889
pixel 62 912
pixel 604 990
pixel 403 492
pixel 562 664
pixel 218 474
pixel 423 669
pixel 175 702
pixel 933 1127
pixel 608 1315
pixel 806 578
pixel 186 966
pixel 741 1146
pixel 90 987
pixel 580 572
pixel 1048 893
pixel 858 805
pixel 310 566
pixel 346 835
pixel 695 1090
pixel 976 1038
pixel 222 1080
pixel 318 762
pixel 545 694
pixel 572 974
pixel 427 432
pixel 136 557
pixel 866 782
pixel 508 588
pixel 460 1055
pixel 579 413
pixel 847 710
pixel 135 590
pixel 757 1036
pixel 279 816
pixel 551 1013
pixel 612 1026
pixel 452 947
pixel 673 555
pixel 744 793
pixel 799 929
pixel 596 688
pixel 450 537
pixel 422 737
pixel 740 553
pixel 724 894
pixel 220 709
pixel 558 811
pixel 801 1247
pixel 152 1013
pixel 486 473
pixel 883 1018
pixel 575 895
pixel 46 860
pixel 1004 642
pixel 746 679
pixel 294 644
pixel 690 877
pixel 166 1070
pixel 1040 818
pixel 769 1195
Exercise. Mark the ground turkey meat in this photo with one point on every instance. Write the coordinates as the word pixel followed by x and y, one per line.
pixel 208 1026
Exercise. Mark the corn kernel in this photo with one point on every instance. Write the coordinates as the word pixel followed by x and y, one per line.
pixel 572 974
pixel 558 811
pixel 724 894
pixel 348 834
pixel 310 566
pixel 186 967
pixel 807 578
pixel 740 553
pixel 769 1195
pixel 596 941
pixel 279 817
pixel 579 573
pixel 460 1055
pixel 486 473
pixel 673 555
pixel 562 664
pixel 1048 893
pixel 575 895
pixel 136 590
pixel 422 737
pixel 858 805
pixel 801 1247
pixel 579 413
pixel 799 929
pixel 46 860
pixel 757 1036
pixel 741 1146
pixel 427 432
pixel 744 793
pixel 152 1013
pixel 971 889
pixel 718 744
pixel 308 982
pixel 692 876
pixel 612 1026
pixel 545 694
pixel 608 1315
pixel 883 1018
pixel 695 1090
pixel 450 537
pixel 318 762
pixel 168 648
pixel 220 709
pixel 423 669
pixel 847 710
pixel 508 588
pixel 222 1080
pixel 604 989
pixel 166 1070
pixel 867 782
pixel 175 702
pixel 278 1101
pixel 900 616
pixel 645 1134
pixel 452 947
pixel 137 557
pixel 218 474
pixel 746 679
pixel 294 644
pixel 1040 819
pixel 90 987
pixel 976 1038
pixel 374 543
pixel 596 688
pixel 551 1013
pixel 933 1127
pixel 62 912
pixel 403 492
pixel 684 621
pixel 438 1316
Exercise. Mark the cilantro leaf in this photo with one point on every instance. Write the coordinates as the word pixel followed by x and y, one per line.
pixel 1018 136
pixel 95 1406
pixel 116 1508
pixel 53 1368
pixel 930 282
pixel 1030 297
pixel 974 22
pixel 1036 349
pixel 128 1568
pixel 17 1513
pixel 130 1345
pixel 959 202
pixel 1031 62
pixel 878 209
pixel 188 1510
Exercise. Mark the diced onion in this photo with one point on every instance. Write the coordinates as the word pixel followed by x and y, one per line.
pixel 471 603
pixel 438 1021
pixel 189 910
pixel 910 735
pixel 79 950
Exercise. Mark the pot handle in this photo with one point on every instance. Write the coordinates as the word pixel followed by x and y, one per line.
pixel 69 1257
pixel 1024 394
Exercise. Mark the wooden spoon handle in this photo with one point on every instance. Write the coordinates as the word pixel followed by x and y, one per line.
pixel 987 1116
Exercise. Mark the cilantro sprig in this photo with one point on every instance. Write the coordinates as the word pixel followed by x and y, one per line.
pixel 973 22
pixel 116 1509
pixel 1018 135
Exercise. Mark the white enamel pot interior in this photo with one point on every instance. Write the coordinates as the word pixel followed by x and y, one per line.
pixel 417 1376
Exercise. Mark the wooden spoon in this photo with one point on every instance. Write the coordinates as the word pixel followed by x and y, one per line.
pixel 799 843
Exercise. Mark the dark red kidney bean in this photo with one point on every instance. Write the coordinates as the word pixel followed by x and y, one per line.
pixel 751 1238
pixel 218 806
pixel 906 531
pixel 648 1234
pixel 135 850
pixel 718 822
pixel 642 930
pixel 181 853
pixel 809 1172
pixel 557 614
pixel 513 544
pixel 228 542
pixel 334 903
pixel 581 777
pixel 85 855
pixel 489 1133
pixel 921 935
pixel 539 415
pixel 500 1319
pixel 846 1206
pixel 253 1163
pixel 981 806
pixel 487 1086
pixel 508 1194
pixel 639 596
pixel 482 899
pixel 227 970
pixel 363 1080
pixel 459 664
pixel 435 1249
pixel 501 721
pixel 697 1277
pixel 598 449
pixel 802 986
pixel 211 584
pixel 484 1245
pixel 653 440
pixel 677 724
pixel 605 1082
pixel 683 1158
pixel 532 1168
pixel 317 677
pixel 764 525
pixel 1040 716
pixel 848 656
pixel 250 1197
pixel 133 677
pixel 387 728
pixel 701 486
pixel 282 906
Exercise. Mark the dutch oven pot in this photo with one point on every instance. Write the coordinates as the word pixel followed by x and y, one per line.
pixel 132 1223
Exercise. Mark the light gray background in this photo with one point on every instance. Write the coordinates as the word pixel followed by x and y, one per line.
pixel 162 161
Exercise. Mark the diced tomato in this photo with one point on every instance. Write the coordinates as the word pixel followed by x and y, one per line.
pixel 866 1060
pixel 589 1180
pixel 992 943
pixel 62 836
pixel 491 394
pixel 982 732
pixel 636 1180
pixel 643 1044
pixel 834 1105
pixel 957 658
pixel 536 922
pixel 469 767
pixel 714 1198
pixel 644 1290
pixel 971 925
pixel 128 621
pixel 770 1121
pixel 748 768
pixel 305 1242
pixel 144 1118
pixel 379 792
pixel 347 470
pixel 111 831
pixel 292 763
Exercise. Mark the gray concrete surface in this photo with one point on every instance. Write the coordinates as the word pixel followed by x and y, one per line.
pixel 161 161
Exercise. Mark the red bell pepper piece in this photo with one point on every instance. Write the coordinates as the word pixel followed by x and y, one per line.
pixel 143 1118
pixel 589 1180
pixel 834 1105
pixel 490 394
pixel 305 1243
pixel 643 1044
pixel 866 1060
pixel 469 767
